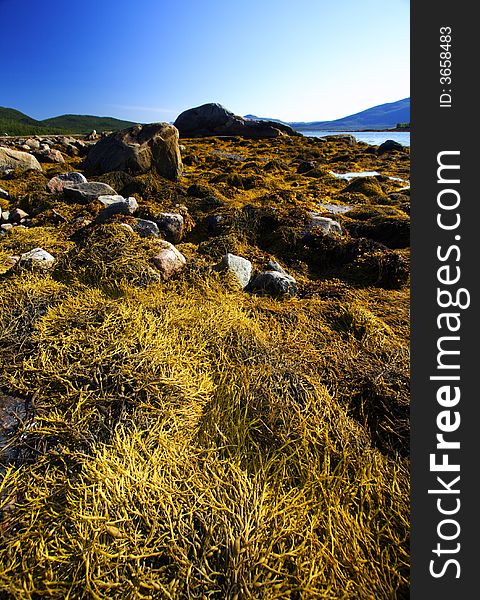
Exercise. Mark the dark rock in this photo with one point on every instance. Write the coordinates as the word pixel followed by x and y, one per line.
pixel 87 192
pixel 137 150
pixel 305 166
pixel 13 412
pixel 274 283
pixel 4 195
pixel 388 146
pixel 17 215
pixel 198 191
pixel 171 226
pixel 215 120
pixel 215 224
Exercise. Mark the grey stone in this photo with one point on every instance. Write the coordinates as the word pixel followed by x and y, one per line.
pixel 116 205
pixel 350 139
pixel 274 284
pixel 87 192
pixel 33 144
pixel 4 194
pixel 49 156
pixel 146 228
pixel 240 267
pixel 272 265
pixel 13 159
pixel 327 225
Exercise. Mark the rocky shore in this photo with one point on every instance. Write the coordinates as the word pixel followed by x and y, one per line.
pixel 204 363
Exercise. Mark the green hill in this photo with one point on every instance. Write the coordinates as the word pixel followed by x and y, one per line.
pixel 14 122
pixel 86 123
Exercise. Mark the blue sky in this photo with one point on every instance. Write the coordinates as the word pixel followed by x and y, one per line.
pixel 148 60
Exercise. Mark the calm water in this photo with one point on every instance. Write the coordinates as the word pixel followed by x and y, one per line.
pixel 374 138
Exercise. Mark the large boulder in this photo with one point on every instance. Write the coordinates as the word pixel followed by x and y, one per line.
pixel 388 146
pixel 215 119
pixel 13 159
pixel 137 150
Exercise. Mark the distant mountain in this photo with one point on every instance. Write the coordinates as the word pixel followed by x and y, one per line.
pixel 255 118
pixel 14 122
pixel 383 116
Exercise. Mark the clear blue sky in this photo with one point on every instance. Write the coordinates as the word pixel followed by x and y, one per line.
pixel 148 60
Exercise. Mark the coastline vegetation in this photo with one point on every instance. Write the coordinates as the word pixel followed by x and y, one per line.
pixel 187 439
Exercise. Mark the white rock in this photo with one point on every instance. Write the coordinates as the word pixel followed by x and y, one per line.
pixel 37 258
pixel 240 267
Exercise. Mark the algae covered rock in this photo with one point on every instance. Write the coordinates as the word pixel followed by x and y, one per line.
pixel 240 267
pixel 368 186
pixel 325 224
pixel 137 150
pixel 13 159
